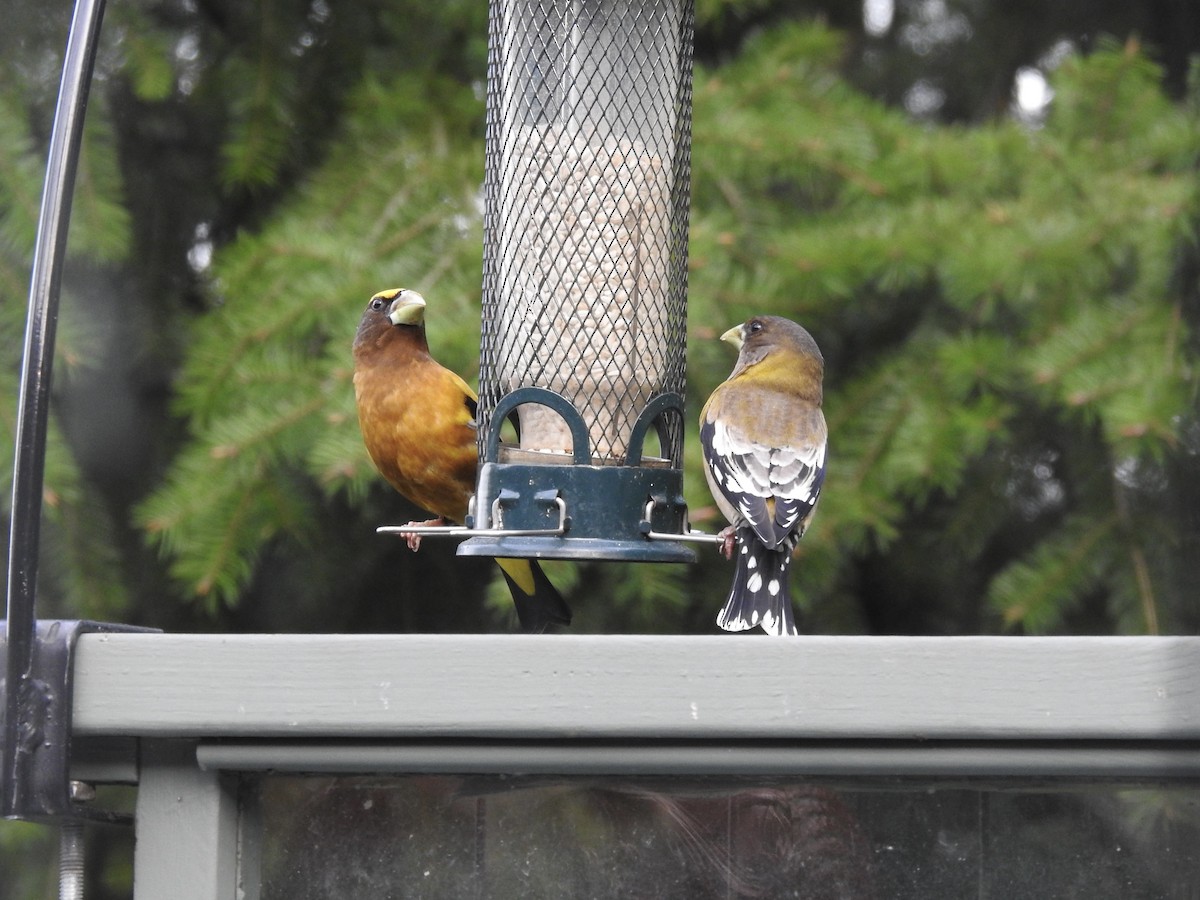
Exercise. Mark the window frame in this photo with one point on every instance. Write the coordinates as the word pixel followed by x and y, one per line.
pixel 186 716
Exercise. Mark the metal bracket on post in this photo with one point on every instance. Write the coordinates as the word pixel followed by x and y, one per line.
pixel 35 721
pixel 40 769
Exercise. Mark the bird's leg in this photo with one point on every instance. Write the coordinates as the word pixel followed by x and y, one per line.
pixel 414 540
pixel 728 536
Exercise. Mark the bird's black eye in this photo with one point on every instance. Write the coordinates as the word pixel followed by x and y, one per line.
pixel 378 303
pixel 755 326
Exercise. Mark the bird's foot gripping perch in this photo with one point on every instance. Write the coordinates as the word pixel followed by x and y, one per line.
pixel 726 538
pixel 413 539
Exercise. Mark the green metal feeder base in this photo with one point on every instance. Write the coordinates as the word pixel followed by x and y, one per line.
pixel 579 512
pixel 643 550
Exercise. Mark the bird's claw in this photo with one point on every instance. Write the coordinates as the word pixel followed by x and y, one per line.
pixel 728 536
pixel 414 540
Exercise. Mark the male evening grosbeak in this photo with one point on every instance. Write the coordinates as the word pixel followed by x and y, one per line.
pixel 418 422
pixel 763 437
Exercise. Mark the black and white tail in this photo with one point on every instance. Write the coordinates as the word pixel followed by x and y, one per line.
pixel 759 596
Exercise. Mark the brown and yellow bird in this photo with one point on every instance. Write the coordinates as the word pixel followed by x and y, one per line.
pixel 418 423
pixel 763 436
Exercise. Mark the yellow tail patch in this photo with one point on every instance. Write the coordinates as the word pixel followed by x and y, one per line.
pixel 520 572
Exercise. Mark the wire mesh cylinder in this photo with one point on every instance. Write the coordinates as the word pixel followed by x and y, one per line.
pixel 585 230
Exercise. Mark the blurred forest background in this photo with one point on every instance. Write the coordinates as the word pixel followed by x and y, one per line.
pixel 985 211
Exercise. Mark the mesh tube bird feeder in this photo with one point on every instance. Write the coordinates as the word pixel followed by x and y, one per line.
pixel 585 278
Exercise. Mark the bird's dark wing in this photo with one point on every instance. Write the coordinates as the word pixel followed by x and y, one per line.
pixel 774 489
pixel 797 474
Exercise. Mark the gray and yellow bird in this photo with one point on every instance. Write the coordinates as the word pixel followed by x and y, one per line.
pixel 763 436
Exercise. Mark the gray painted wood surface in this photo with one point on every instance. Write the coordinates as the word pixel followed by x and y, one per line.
pixel 849 762
pixel 187 829
pixel 581 686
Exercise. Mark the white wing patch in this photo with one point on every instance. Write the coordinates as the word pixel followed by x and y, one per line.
pixel 748 474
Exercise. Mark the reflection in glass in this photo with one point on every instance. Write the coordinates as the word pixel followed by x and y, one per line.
pixel 494 837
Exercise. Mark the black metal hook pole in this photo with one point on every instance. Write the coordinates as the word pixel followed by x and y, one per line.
pixel 33 409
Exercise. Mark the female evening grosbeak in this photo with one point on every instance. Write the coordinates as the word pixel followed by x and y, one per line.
pixel 763 436
pixel 418 422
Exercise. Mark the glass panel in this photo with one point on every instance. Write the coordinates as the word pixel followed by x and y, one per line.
pixel 494 837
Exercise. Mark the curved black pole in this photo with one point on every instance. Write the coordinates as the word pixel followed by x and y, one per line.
pixel 33 409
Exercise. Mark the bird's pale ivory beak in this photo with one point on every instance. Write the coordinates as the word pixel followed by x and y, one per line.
pixel 733 336
pixel 407 309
